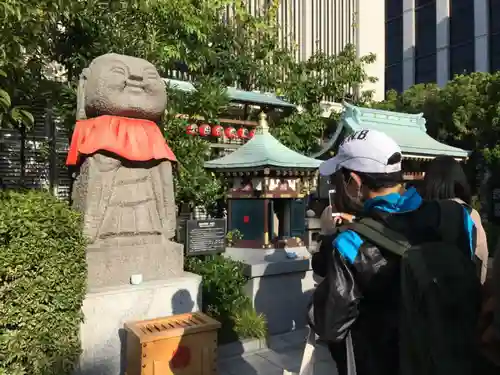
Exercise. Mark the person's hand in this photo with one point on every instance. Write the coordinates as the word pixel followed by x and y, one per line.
pixel 343 218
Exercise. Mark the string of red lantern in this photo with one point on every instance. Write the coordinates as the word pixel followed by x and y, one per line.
pixel 192 129
pixel 205 130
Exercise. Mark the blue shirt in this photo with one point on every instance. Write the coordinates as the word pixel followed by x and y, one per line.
pixel 348 243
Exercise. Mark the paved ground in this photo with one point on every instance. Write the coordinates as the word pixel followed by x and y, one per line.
pixel 284 353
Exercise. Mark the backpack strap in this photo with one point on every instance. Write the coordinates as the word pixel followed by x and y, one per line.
pixel 381 236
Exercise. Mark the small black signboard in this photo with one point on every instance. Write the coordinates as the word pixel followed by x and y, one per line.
pixel 205 236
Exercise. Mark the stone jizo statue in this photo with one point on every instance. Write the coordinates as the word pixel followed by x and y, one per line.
pixel 125 187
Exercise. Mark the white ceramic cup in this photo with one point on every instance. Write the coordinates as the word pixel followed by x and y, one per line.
pixel 136 279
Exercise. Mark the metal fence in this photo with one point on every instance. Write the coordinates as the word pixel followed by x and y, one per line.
pixel 35 158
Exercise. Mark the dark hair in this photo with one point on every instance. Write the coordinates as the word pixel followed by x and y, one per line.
pixel 379 181
pixel 445 179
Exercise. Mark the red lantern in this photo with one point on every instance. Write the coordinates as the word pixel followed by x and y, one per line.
pixel 242 133
pixel 217 131
pixel 251 134
pixel 204 130
pixel 192 129
pixel 230 132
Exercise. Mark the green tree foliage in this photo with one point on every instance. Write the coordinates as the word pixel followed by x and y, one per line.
pixel 321 77
pixel 25 28
pixel 168 34
pixel 328 77
pixel 195 185
pixel 42 284
pixel 463 113
pixel 245 50
pixel 248 52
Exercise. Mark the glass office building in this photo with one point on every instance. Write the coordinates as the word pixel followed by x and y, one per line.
pixel 433 40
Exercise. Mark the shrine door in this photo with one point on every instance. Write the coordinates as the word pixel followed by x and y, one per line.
pixel 297 217
pixel 247 215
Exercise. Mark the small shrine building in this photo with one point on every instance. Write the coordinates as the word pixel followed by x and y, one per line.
pixel 267 186
pixel 408 130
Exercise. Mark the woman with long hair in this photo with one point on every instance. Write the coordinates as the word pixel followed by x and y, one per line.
pixel 445 179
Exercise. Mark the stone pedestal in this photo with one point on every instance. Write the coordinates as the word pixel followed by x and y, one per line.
pixel 110 266
pixel 107 309
pixel 280 288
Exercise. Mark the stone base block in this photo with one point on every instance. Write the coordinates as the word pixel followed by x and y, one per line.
pixel 280 288
pixel 107 309
pixel 113 266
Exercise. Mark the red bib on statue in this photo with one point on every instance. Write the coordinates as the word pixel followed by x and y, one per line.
pixel 129 138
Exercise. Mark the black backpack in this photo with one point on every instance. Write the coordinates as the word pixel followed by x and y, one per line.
pixel 440 297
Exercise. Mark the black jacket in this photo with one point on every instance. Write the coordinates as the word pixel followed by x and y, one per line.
pixel 366 296
pixel 496 291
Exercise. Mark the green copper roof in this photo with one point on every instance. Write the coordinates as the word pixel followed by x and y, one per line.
pixel 263 150
pixel 236 95
pixel 407 130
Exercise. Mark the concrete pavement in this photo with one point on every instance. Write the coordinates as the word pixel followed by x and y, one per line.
pixel 282 356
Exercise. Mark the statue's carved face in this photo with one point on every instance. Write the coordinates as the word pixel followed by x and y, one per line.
pixel 125 86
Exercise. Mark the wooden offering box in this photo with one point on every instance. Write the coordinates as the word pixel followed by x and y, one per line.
pixel 183 344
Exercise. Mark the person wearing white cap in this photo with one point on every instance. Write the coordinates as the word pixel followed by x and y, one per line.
pixel 356 308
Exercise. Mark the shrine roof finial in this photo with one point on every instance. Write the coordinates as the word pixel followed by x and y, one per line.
pixel 263 127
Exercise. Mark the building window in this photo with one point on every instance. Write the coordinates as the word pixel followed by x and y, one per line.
pixel 494 32
pixel 394 45
pixel 425 69
pixel 394 77
pixel 425 41
pixel 462 59
pixel 462 49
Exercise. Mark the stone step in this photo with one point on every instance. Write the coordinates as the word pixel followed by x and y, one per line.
pixel 249 346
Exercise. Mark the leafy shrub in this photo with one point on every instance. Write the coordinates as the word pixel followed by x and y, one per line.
pixel 224 299
pixel 249 323
pixel 42 284
pixel 233 235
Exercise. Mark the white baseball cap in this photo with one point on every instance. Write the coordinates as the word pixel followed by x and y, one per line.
pixel 365 151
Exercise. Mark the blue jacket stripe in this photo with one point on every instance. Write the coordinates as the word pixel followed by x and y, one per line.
pixel 469 228
pixel 348 243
